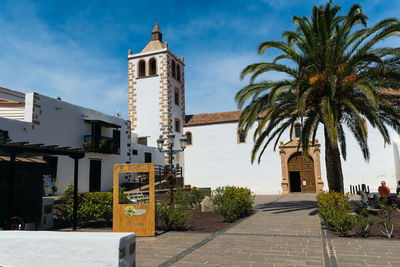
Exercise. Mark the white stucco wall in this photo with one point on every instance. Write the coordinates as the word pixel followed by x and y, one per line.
pixel 148 98
pixel 216 159
pixel 46 248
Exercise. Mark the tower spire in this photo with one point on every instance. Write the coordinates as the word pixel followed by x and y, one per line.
pixel 156 34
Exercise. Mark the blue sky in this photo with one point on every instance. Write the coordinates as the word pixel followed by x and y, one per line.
pixel 77 49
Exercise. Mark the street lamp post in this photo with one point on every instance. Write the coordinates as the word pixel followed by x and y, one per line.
pixel 171 152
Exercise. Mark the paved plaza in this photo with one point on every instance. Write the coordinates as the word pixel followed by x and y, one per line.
pixel 284 231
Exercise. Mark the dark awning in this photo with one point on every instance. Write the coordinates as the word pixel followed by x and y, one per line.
pixel 103 123
pixel 8 148
pixel 25 160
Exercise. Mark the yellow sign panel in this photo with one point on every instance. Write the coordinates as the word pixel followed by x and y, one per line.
pixel 136 218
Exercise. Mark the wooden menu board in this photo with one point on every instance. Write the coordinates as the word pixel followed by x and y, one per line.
pixel 136 218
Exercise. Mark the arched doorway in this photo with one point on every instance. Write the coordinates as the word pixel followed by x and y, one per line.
pixel 301 174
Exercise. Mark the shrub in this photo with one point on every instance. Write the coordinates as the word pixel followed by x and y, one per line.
pixel 233 202
pixel 122 197
pixel 172 215
pixel 191 199
pixel 384 223
pixel 363 221
pixel 69 190
pixel 334 210
pixel 96 206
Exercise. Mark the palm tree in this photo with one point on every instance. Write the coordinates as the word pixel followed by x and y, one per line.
pixel 336 76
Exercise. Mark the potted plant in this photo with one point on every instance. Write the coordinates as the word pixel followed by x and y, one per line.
pixel 102 144
pixel 87 145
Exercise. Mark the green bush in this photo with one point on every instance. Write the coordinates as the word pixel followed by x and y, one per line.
pixel 190 199
pixel 96 206
pixel 122 197
pixel 363 222
pixel 334 210
pixel 233 202
pixel 384 223
pixel 172 215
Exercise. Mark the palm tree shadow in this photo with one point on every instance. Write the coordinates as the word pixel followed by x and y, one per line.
pixel 289 206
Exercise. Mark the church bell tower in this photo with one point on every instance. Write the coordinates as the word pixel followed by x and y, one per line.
pixel 156 90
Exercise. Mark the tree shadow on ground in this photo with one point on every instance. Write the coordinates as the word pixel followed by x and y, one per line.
pixel 289 206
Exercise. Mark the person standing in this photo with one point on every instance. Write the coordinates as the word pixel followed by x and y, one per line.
pixel 384 192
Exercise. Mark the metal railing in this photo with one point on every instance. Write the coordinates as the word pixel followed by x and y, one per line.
pixel 100 144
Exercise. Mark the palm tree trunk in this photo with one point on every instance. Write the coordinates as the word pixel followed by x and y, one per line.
pixel 333 164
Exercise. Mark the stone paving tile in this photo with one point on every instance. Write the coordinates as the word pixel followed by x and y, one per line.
pixel 285 231
pixel 366 252
pixel 270 237
pixel 152 251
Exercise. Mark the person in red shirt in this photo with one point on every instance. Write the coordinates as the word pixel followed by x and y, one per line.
pixel 384 191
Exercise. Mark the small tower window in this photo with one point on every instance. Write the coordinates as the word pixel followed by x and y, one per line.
pixel 177 125
pixel 297 130
pixel 241 137
pixel 189 138
pixel 142 68
pixel 178 72
pixel 176 96
pixel 153 66
pixel 173 69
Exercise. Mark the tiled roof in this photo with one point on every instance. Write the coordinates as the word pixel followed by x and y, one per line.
pixel 211 118
pixel 153 45
pixel 390 91
pixel 11 91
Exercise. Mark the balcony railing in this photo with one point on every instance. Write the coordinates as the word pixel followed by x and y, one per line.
pixel 100 144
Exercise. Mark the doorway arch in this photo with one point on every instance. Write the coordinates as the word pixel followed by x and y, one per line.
pixel 301 173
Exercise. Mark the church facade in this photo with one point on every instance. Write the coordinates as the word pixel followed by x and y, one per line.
pixel 217 155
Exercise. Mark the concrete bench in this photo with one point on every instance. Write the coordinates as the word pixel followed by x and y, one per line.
pixel 46 248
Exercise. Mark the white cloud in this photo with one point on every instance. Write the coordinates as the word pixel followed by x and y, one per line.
pixel 37 58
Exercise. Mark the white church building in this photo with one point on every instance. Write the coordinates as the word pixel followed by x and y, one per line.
pixel 216 155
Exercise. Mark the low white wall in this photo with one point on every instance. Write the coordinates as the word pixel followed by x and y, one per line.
pixel 44 248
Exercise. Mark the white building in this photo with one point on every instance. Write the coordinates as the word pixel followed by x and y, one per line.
pixel 106 139
pixel 216 155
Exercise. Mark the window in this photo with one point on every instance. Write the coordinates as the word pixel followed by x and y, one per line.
pixel 173 69
pixel 147 157
pixel 142 141
pixel 142 68
pixel 189 138
pixel 134 152
pixel 297 130
pixel 153 66
pixel 178 72
pixel 177 125
pixel 241 137
pixel 176 97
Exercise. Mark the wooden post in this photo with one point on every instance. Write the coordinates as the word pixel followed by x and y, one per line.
pixel 75 211
pixel 11 196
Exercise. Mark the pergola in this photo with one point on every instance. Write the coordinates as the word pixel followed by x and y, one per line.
pixel 26 149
